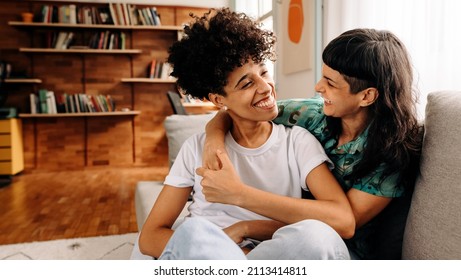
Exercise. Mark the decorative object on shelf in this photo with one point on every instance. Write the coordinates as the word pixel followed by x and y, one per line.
pixel 176 103
pixel 27 17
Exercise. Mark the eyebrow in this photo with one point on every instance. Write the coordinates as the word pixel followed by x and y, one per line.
pixel 262 64
pixel 329 79
pixel 241 79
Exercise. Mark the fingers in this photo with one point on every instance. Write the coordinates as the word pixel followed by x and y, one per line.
pixel 200 171
pixel 223 158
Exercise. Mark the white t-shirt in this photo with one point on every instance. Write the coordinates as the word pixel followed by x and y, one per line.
pixel 278 166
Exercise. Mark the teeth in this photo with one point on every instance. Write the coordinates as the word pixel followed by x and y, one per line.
pixel 327 101
pixel 266 103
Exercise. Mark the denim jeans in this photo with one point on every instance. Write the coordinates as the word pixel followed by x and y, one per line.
pixel 199 239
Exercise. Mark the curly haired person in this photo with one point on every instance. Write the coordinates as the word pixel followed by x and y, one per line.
pixel 222 57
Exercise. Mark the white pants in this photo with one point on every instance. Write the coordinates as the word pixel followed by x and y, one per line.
pixel 199 239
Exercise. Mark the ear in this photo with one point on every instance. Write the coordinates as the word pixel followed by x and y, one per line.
pixel 369 96
pixel 217 99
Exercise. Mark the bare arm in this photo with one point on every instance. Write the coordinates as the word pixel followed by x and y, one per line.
pixel 157 229
pixel 216 130
pixel 331 205
pixel 256 229
pixel 366 206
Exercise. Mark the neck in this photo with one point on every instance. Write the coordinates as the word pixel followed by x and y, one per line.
pixel 251 134
pixel 351 128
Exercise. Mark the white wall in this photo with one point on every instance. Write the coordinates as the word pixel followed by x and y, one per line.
pixel 300 84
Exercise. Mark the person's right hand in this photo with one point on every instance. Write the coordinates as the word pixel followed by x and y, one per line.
pixel 236 231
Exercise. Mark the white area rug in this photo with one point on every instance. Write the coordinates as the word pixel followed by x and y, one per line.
pixel 112 247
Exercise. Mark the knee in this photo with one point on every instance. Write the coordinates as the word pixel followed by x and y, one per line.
pixel 196 225
pixel 312 228
pixel 312 239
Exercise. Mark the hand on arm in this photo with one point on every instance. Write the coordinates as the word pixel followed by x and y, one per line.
pixel 255 229
pixel 223 185
pixel 157 229
pixel 216 130
pixel 330 206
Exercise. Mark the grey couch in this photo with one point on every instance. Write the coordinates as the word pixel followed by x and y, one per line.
pixel 433 226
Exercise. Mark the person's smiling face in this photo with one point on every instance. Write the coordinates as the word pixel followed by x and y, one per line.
pixel 339 101
pixel 250 93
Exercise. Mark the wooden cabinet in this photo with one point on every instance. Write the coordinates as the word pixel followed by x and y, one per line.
pixel 58 142
pixel 11 147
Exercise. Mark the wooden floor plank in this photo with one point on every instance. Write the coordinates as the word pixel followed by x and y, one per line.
pixel 70 204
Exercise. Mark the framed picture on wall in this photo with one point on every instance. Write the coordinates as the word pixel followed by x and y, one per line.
pixel 298 35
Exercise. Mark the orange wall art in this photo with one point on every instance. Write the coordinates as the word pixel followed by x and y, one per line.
pixel 297 36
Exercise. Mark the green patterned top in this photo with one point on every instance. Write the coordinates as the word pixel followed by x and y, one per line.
pixel 308 113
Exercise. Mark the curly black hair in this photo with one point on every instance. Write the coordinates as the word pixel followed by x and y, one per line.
pixel 213 46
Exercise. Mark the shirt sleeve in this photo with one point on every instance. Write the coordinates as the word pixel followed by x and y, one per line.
pixel 379 184
pixel 306 113
pixel 309 153
pixel 182 172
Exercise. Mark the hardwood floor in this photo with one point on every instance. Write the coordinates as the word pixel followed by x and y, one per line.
pixel 57 205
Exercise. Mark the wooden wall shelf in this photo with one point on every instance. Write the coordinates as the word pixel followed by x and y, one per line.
pixel 23 81
pixel 60 115
pixel 148 80
pixel 81 51
pixel 199 104
pixel 95 26
pixel 69 141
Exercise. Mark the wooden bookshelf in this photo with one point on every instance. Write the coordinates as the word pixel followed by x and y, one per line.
pixel 81 51
pixel 148 80
pixel 101 114
pixel 23 81
pixel 94 26
pixel 55 142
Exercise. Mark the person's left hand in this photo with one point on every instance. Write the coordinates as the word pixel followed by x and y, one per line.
pixel 221 186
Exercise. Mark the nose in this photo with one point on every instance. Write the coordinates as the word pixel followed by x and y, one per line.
pixel 263 86
pixel 319 87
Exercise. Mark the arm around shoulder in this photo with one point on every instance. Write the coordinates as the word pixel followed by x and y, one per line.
pixel 216 130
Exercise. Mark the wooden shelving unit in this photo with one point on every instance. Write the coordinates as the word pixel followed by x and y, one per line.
pixel 94 26
pixel 101 114
pixel 68 141
pixel 23 81
pixel 81 51
pixel 148 80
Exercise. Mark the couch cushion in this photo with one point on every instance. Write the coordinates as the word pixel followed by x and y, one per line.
pixel 145 195
pixel 433 229
pixel 180 127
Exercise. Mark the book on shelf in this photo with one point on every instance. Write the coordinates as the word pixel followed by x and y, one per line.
pixel 159 70
pixel 46 102
pixel 42 100
pixel 107 40
pixel 34 103
pixel 112 13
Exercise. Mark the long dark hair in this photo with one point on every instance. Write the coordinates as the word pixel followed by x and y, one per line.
pixel 372 58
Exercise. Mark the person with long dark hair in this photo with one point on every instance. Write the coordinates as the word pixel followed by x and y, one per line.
pixel 365 118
